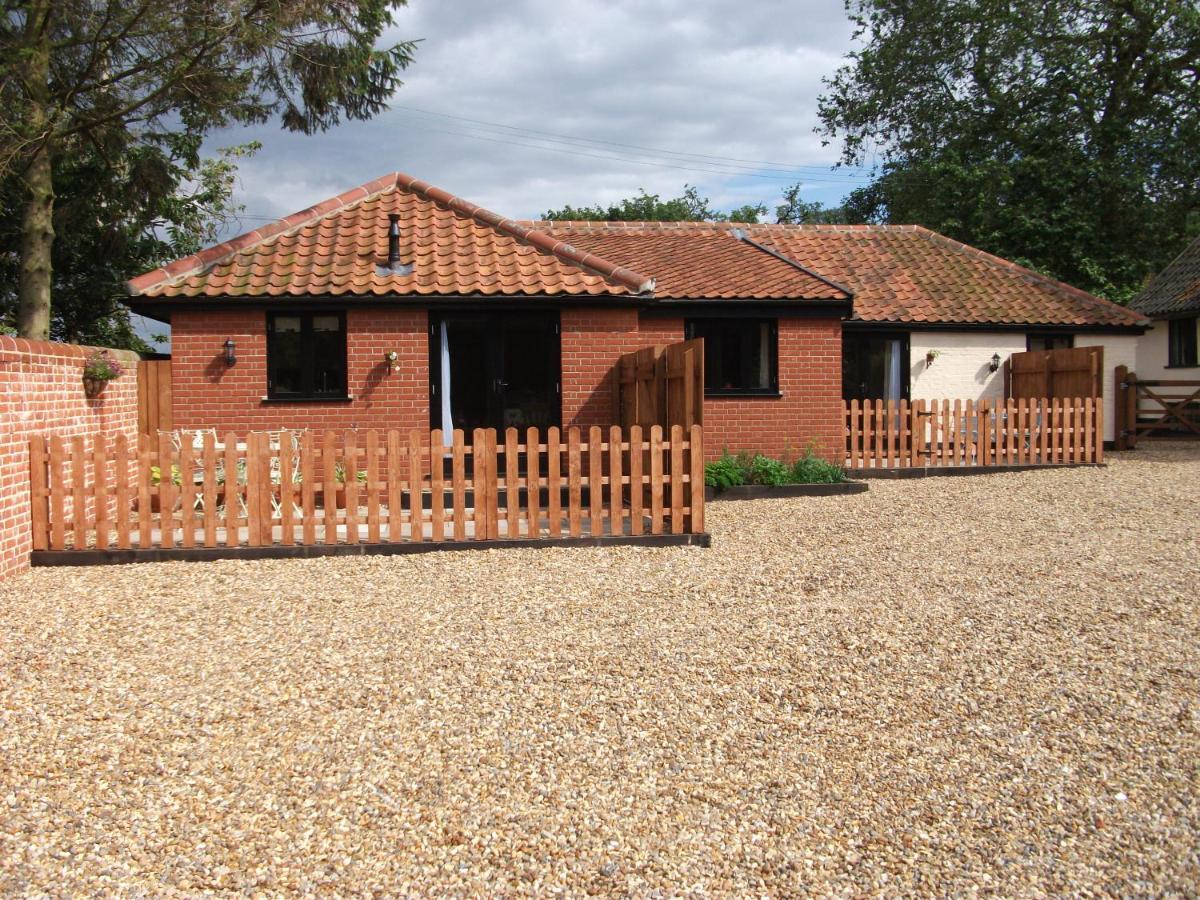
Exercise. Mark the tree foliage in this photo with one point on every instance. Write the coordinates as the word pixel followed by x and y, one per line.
pixel 691 207
pixel 153 201
pixel 80 77
pixel 1064 135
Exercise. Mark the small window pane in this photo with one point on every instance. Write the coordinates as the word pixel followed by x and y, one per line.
pixel 1181 336
pixel 327 323
pixel 287 325
pixel 287 361
pixel 739 354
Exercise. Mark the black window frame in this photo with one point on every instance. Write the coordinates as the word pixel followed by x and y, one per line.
pixel 1030 337
pixel 852 335
pixel 1181 343
pixel 689 331
pixel 306 330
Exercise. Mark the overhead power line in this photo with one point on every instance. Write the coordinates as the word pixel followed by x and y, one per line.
pixel 657 151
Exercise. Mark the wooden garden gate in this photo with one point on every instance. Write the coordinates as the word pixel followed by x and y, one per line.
pixel 661 385
pixel 1145 407
pixel 1064 374
pixel 154 396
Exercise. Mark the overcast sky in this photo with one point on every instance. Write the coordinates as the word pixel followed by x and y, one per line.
pixel 715 79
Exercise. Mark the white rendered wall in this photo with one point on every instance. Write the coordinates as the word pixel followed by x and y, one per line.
pixel 1152 356
pixel 961 370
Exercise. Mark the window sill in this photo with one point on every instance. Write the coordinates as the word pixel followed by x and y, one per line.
pixel 744 395
pixel 1195 365
pixel 344 399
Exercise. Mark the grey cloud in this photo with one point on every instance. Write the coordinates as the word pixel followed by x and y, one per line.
pixel 733 80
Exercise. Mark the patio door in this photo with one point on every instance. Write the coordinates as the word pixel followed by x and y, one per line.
pixel 494 370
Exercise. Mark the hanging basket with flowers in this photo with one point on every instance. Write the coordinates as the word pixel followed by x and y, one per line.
pixel 98 371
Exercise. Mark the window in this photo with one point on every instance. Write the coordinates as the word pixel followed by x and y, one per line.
pixel 306 356
pixel 1049 341
pixel 874 366
pixel 1181 342
pixel 740 355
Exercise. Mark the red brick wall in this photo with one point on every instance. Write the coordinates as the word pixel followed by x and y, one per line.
pixel 41 392
pixel 209 394
pixel 810 381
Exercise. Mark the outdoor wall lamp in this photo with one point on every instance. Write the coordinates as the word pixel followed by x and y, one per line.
pixel 390 358
pixel 230 355
pixel 995 362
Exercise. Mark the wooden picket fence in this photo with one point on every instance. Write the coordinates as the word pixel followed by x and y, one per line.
pixel 888 434
pixel 301 488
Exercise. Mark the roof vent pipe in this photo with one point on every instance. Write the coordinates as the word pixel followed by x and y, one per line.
pixel 393 240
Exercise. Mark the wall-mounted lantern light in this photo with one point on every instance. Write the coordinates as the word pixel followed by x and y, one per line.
pixel 390 358
pixel 230 355
pixel 995 362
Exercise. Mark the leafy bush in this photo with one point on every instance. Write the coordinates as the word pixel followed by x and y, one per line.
pixel 731 471
pixel 811 469
pixel 728 471
pixel 764 470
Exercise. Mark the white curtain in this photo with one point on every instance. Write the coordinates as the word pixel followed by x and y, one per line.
pixel 893 376
pixel 444 389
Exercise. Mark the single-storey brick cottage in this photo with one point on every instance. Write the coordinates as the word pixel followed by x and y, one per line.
pixel 398 305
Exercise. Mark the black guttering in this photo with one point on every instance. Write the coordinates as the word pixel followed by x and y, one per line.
pixel 160 309
pixel 1059 327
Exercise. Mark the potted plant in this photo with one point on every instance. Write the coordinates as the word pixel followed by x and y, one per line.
pixel 98 371
pixel 930 356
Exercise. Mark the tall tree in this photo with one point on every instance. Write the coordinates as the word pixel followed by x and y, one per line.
pixel 795 210
pixel 117 214
pixel 1065 135
pixel 73 72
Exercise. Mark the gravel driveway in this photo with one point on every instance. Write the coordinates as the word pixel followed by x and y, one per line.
pixel 956 684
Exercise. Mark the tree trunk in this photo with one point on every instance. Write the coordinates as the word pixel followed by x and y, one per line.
pixel 37 223
pixel 37 240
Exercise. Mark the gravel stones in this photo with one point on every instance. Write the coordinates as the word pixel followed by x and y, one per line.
pixel 943 685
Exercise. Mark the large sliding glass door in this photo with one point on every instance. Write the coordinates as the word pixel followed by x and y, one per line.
pixel 494 370
pixel 874 366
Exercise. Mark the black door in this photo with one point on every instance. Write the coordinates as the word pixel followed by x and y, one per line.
pixel 503 370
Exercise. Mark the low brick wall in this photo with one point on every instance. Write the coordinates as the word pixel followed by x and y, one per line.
pixel 41 392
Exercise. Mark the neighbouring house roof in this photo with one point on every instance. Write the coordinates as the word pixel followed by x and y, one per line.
pixel 1176 289
pixel 905 275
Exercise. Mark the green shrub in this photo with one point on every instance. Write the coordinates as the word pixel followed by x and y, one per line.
pixel 811 469
pixel 764 470
pixel 726 472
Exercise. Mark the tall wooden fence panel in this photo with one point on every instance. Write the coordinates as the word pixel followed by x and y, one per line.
pixel 154 396
pixel 1154 408
pixel 886 434
pixel 1060 374
pixel 661 385
pixel 349 487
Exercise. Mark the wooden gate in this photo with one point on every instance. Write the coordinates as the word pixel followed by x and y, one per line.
pixel 154 396
pixel 661 385
pixel 1055 374
pixel 1163 408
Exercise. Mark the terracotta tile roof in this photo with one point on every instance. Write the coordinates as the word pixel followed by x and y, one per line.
pixel 1176 289
pixel 337 247
pixel 897 273
pixel 698 263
